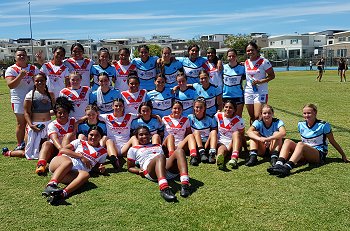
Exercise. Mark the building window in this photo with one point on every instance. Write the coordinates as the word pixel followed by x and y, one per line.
pixel 341 39
pixel 330 42
pixel 341 52
pixel 281 42
pixel 348 39
pixel 317 41
pixel 294 41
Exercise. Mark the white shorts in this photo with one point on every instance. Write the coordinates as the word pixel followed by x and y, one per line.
pixel 31 150
pixel 18 108
pixel 250 98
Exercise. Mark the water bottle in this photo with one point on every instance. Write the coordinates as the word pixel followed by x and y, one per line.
pixel 40 126
pixel 255 88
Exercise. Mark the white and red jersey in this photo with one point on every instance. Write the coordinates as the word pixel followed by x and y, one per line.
pixel 60 129
pixel 215 76
pixel 82 66
pixel 133 100
pixel 93 154
pixel 176 127
pixel 56 76
pixel 118 128
pixel 143 154
pixel 256 70
pixel 226 127
pixel 80 98
pixel 123 71
pixel 18 93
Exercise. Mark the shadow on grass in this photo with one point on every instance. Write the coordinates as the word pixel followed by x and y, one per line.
pixel 195 185
pixel 309 167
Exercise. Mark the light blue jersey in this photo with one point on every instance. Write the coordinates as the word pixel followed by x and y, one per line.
pixel 209 95
pixel 315 136
pixel 232 78
pixel 204 126
pixel 146 72
pixel 192 69
pixel 267 132
pixel 84 128
pixel 104 101
pixel 187 98
pixel 97 69
pixel 153 124
pixel 170 72
pixel 161 101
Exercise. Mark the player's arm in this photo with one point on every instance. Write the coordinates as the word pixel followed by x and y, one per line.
pixel 56 142
pixel 281 133
pixel 14 81
pixel 253 134
pixel 335 144
pixel 133 169
pixel 28 115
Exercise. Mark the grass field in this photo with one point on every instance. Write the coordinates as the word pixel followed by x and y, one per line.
pixel 243 199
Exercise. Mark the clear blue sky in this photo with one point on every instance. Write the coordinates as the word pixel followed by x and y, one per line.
pixel 82 19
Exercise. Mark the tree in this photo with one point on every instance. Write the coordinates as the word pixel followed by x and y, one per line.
pixel 154 50
pixel 203 44
pixel 238 42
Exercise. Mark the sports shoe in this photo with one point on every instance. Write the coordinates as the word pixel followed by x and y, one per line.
pixel 233 163
pixel 194 161
pixel 211 159
pixel 40 169
pixel 253 159
pixel 185 190
pixel 115 162
pixel 21 146
pixel 167 194
pixel 51 189
pixel 204 158
pixel 5 151
pixel 283 170
pixel 279 169
pixel 55 197
pixel 273 161
pixel 220 162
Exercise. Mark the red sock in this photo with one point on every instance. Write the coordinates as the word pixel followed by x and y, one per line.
pixel 234 155
pixel 184 178
pixel 41 162
pixel 193 152
pixel 163 183
pixel 171 153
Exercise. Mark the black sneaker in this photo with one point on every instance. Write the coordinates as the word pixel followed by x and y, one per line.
pixel 280 170
pixel 273 161
pixel 167 194
pixel 204 158
pixel 55 198
pixel 51 189
pixel 211 159
pixel 185 190
pixel 253 159
pixel 283 170
pixel 194 161
pixel 20 147
pixel 5 151
pixel 115 162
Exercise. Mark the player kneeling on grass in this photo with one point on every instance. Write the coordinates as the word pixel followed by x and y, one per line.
pixel 73 164
pixel 230 129
pixel 313 147
pixel 266 136
pixel 155 167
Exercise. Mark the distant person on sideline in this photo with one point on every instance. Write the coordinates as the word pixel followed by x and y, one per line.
pixel 311 64
pixel 342 67
pixel 320 68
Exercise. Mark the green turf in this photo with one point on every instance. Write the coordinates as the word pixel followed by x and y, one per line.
pixel 243 199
